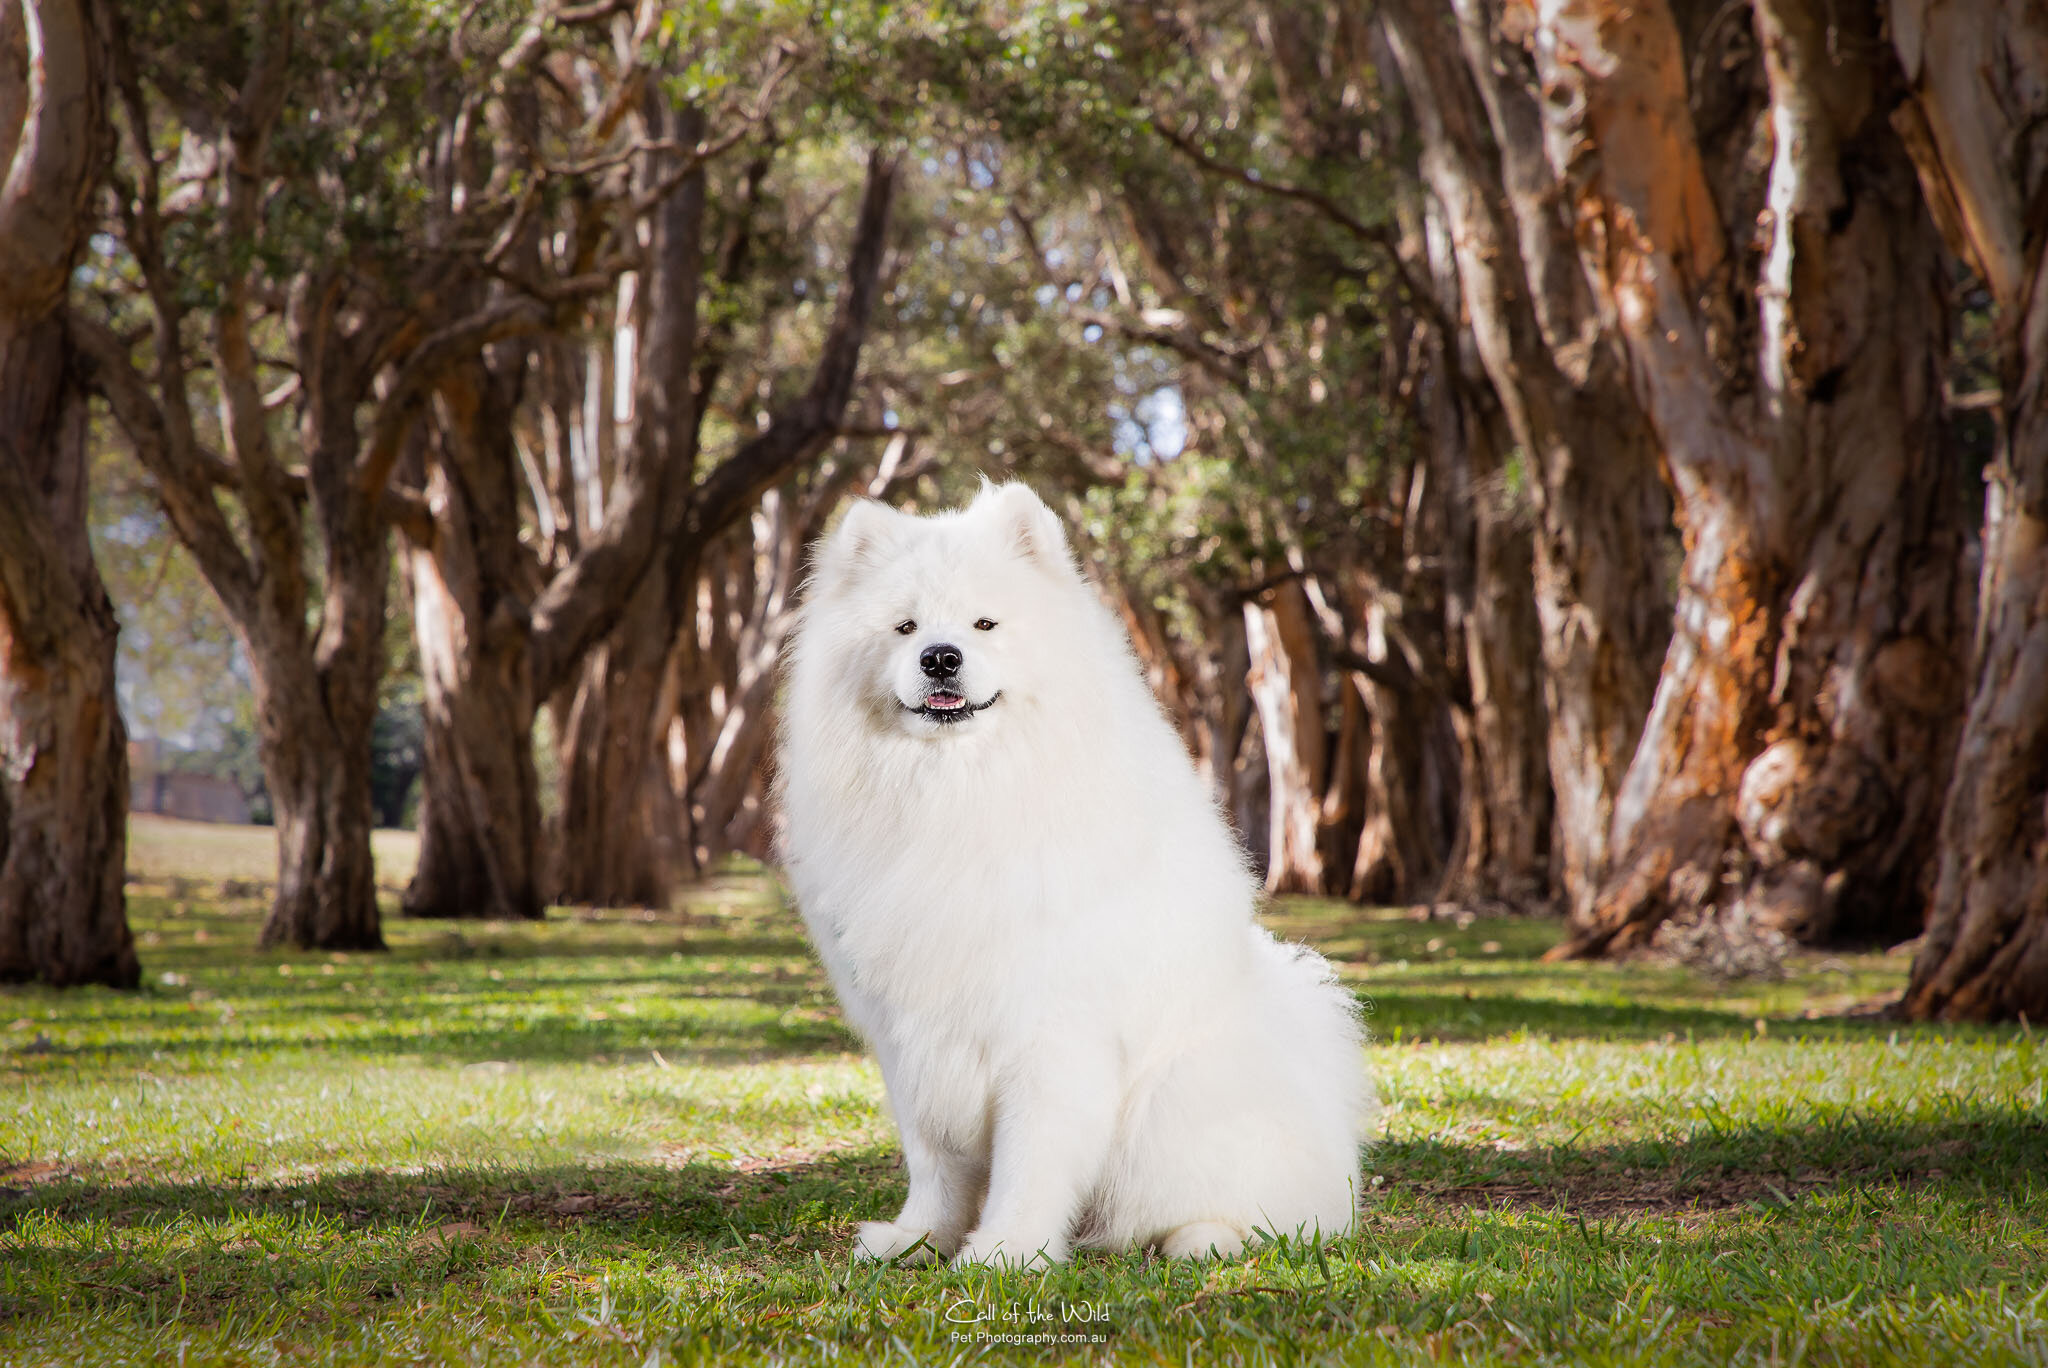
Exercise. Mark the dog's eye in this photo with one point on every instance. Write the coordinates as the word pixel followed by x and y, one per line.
pixel 984 625
pixel 906 627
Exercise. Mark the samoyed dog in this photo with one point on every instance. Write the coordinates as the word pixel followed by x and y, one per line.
pixel 1032 909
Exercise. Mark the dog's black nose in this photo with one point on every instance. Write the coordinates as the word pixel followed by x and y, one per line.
pixel 939 661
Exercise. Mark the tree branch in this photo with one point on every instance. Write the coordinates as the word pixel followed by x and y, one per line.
pixel 803 429
pixel 425 365
pixel 183 476
pixel 52 167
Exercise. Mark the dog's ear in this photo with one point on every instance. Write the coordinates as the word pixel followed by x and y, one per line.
pixel 1030 529
pixel 868 534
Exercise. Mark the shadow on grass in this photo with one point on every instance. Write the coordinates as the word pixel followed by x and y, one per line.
pixel 721 1017
pixel 337 1247
pixel 565 1040
pixel 338 1244
pixel 1397 1014
pixel 703 1201
pixel 1985 1152
pixel 493 941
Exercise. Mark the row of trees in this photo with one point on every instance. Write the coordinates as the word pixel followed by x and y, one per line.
pixel 1541 454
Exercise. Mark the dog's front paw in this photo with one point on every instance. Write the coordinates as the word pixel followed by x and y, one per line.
pixel 990 1247
pixel 881 1240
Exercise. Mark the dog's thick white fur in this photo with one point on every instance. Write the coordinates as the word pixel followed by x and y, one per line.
pixel 1031 908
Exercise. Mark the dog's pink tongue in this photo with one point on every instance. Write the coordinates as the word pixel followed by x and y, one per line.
pixel 943 700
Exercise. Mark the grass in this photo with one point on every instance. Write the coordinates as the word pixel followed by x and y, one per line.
pixel 622 1138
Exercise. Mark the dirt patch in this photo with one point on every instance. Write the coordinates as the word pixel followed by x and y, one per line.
pixel 1644 1192
pixel 31 1172
pixel 17 1179
pixel 1600 1196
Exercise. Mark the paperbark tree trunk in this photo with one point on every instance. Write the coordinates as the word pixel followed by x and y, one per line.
pixel 1975 127
pixel 480 821
pixel 1601 541
pixel 63 750
pixel 725 756
pixel 1502 854
pixel 365 358
pixel 316 700
pixel 316 760
pixel 1397 760
pixel 1508 823
pixel 1402 846
pixel 616 846
pixel 1286 684
pixel 1791 769
pixel 621 834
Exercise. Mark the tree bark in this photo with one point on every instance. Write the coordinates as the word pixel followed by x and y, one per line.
pixel 621 837
pixel 1600 544
pixel 723 759
pixel 1397 758
pixel 1403 844
pixel 480 821
pixel 1502 852
pixel 1286 684
pixel 1974 125
pixel 316 701
pixel 616 846
pixel 63 749
pixel 1506 832
pixel 1791 769
pixel 317 763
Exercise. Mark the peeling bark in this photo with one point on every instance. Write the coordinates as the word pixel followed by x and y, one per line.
pixel 1286 687
pixel 1977 127
pixel 1599 547
pixel 622 836
pixel 1502 851
pixel 480 818
pixel 1791 769
pixel 63 749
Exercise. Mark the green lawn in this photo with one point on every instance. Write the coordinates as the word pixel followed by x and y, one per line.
pixel 631 1139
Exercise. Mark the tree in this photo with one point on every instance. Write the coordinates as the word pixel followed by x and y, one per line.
pixel 1246 238
pixel 617 831
pixel 1978 81
pixel 63 749
pixel 1777 329
pixel 1786 334
pixel 1565 396
pixel 1285 679
pixel 555 559
pixel 285 221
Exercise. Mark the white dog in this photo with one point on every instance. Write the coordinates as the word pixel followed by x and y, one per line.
pixel 1031 907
